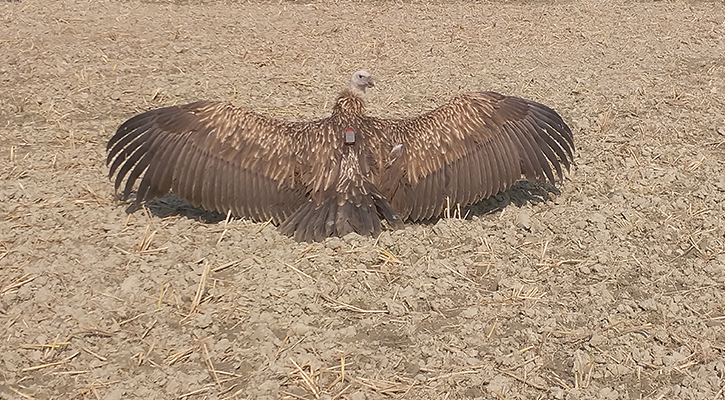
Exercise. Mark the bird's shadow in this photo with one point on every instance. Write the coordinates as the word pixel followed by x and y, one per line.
pixel 521 193
pixel 172 206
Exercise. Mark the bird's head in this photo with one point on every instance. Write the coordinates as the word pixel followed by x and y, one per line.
pixel 360 81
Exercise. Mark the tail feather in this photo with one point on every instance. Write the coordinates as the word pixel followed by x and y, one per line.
pixel 362 218
pixel 317 226
pixel 313 222
pixel 386 210
pixel 306 226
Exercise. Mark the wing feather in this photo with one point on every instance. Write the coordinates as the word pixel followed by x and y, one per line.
pixel 554 126
pixel 164 142
pixel 130 156
pixel 161 181
pixel 221 185
pixel 216 189
pixel 241 189
pixel 483 141
pixel 179 179
pixel 195 177
pixel 540 169
pixel 121 148
pixel 460 171
pixel 266 195
pixel 228 184
pixel 254 192
pixel 428 194
pixel 438 195
pixel 211 154
pixel 411 208
pixel 444 181
pixel 137 164
pixel 490 180
pixel 512 165
pixel 545 146
pixel 234 177
pixel 509 169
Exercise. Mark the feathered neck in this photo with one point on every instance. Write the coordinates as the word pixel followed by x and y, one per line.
pixel 349 103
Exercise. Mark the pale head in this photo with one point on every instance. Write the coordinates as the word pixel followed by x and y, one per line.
pixel 360 81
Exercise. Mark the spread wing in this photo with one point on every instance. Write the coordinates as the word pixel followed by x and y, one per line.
pixel 469 149
pixel 211 154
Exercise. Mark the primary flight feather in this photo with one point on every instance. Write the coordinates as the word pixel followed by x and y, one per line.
pixel 344 173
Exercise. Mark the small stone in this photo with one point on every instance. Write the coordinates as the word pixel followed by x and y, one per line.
pixel 523 220
pixel 596 339
pixel 395 309
pixel 470 312
pixel 720 185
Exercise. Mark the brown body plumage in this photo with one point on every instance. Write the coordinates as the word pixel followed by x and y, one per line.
pixel 344 173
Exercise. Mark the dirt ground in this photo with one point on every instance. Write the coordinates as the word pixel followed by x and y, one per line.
pixel 612 289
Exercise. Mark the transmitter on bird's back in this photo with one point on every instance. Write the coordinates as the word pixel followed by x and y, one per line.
pixel 349 136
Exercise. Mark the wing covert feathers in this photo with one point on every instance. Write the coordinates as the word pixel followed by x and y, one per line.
pixel 304 177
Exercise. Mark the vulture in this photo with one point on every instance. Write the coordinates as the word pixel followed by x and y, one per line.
pixel 344 173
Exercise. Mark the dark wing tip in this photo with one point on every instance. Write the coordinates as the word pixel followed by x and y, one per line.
pixel 132 148
pixel 553 136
